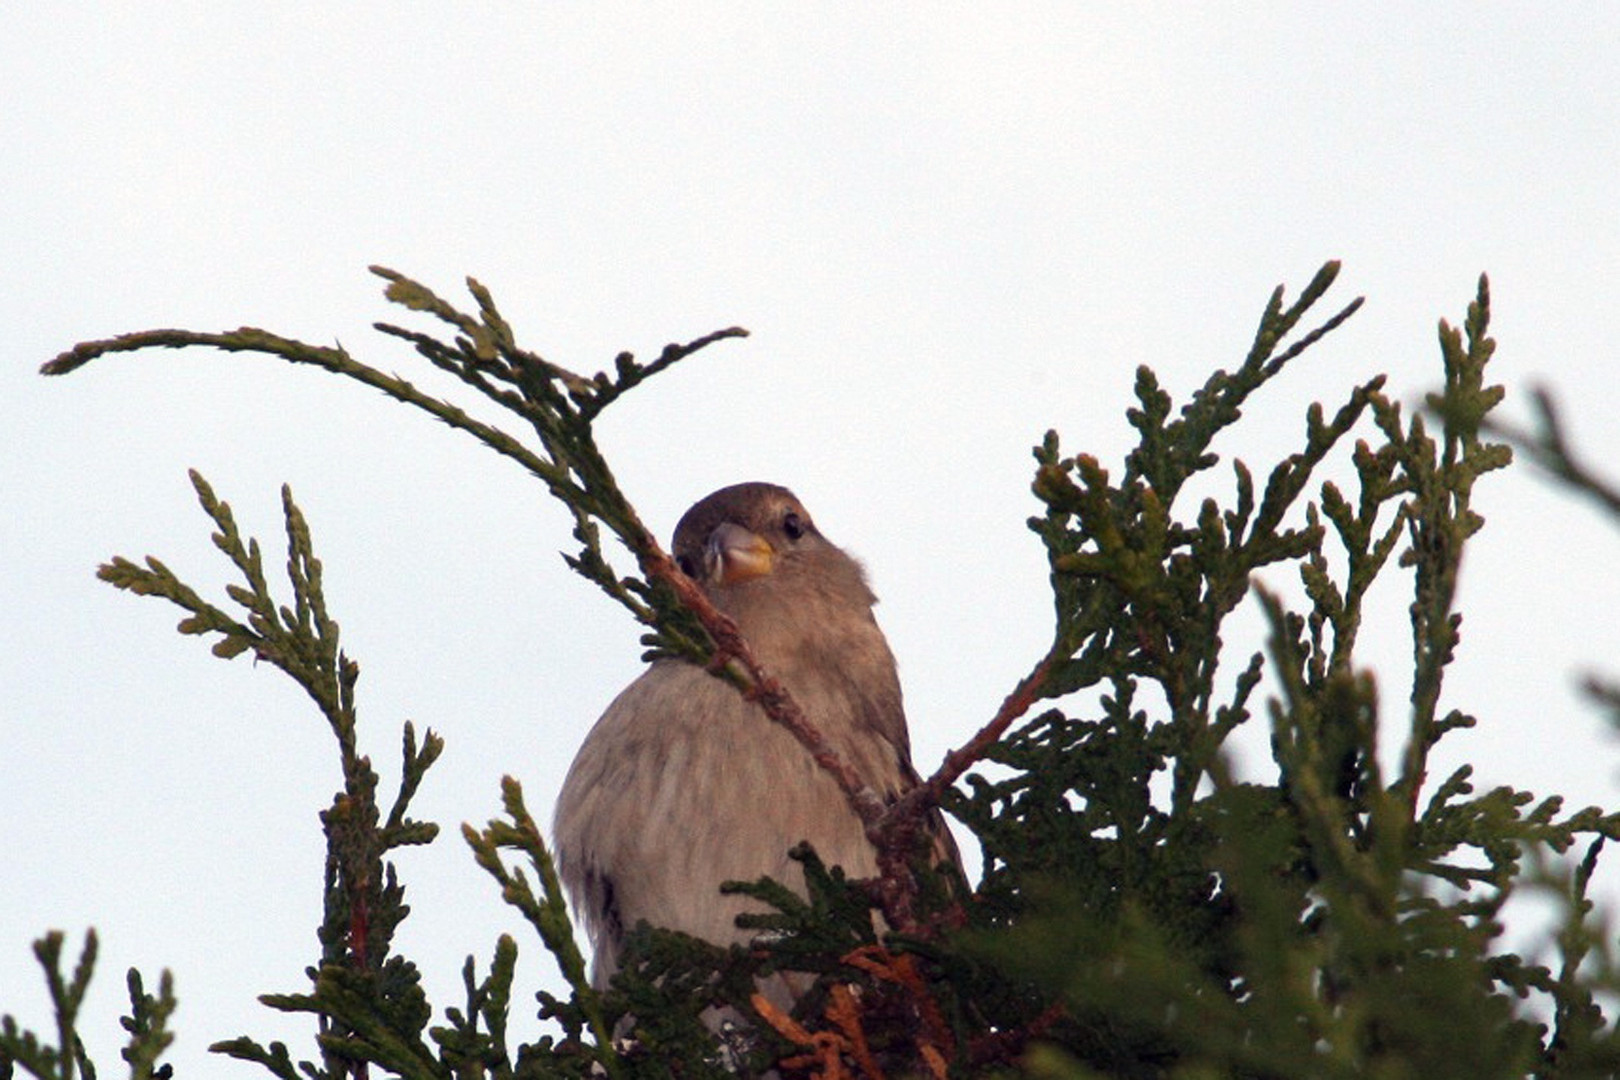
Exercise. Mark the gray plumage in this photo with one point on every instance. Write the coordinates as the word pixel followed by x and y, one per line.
pixel 683 784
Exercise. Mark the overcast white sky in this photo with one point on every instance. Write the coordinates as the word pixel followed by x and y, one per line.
pixel 949 229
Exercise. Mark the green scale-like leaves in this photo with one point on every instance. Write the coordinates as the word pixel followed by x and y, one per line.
pixel 1143 911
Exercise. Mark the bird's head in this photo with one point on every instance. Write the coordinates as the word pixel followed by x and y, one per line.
pixel 759 537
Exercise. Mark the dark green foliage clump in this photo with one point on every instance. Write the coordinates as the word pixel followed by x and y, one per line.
pixel 147 1022
pixel 1143 912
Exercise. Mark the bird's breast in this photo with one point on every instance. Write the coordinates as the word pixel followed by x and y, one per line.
pixel 684 784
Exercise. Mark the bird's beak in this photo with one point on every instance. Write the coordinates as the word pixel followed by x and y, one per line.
pixel 735 554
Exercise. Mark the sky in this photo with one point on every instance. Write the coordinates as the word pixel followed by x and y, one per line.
pixel 948 228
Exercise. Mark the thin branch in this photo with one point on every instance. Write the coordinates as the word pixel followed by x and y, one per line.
pixel 1023 696
pixel 733 652
pixel 561 406
pixel 333 359
pixel 1549 448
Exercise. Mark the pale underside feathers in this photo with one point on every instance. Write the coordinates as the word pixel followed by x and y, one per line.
pixel 684 784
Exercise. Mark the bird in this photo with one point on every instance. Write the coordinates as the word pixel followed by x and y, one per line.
pixel 685 783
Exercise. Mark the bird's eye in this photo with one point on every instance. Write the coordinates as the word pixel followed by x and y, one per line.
pixel 793 525
pixel 687 564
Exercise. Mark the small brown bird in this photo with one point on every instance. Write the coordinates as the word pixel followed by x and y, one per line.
pixel 683 783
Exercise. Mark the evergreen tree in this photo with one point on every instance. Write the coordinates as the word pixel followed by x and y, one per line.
pixel 1142 911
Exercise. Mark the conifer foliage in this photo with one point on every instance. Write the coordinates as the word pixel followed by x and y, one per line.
pixel 1143 911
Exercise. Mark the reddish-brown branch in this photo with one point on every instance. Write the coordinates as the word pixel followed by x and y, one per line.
pixel 1000 1047
pixel 892 828
pixel 1016 704
pixel 844 1010
pixel 900 821
pixel 901 970
pixel 763 687
pixel 895 835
